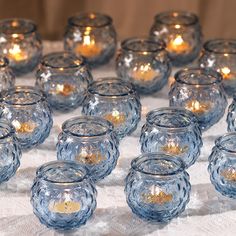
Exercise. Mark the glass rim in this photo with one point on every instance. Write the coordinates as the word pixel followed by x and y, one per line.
pixel 216 75
pixel 41 170
pixel 9 128
pixel 145 157
pixel 160 44
pixel 211 42
pixel 219 140
pixel 96 120
pixel 101 80
pixel 158 17
pixel 71 20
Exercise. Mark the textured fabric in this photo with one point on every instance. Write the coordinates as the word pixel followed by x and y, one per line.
pixel 208 213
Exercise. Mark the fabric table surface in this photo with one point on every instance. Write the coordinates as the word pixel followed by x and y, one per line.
pixel 208 213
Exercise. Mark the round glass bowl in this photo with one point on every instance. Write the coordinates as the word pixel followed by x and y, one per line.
pixel 91 142
pixel 10 152
pixel 220 55
pixel 201 92
pixel 222 165
pixel 91 35
pixel 181 32
pixel 157 187
pixel 7 77
pixel 28 111
pixel 174 131
pixel 62 195
pixel 115 101
pixel 144 63
pixel 21 44
pixel 64 78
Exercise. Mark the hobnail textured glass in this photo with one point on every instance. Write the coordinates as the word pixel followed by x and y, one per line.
pixel 10 152
pixel 91 35
pixel 174 131
pixel 144 63
pixel 222 165
pixel 181 32
pixel 28 111
pixel 91 142
pixel 200 91
pixel 231 116
pixel 64 78
pixel 157 187
pixel 220 55
pixel 63 196
pixel 21 44
pixel 115 101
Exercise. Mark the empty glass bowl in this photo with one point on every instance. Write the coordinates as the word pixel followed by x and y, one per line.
pixel 157 187
pixel 21 44
pixel 91 142
pixel 28 111
pixel 64 78
pixel 62 195
pixel 174 131
pixel 115 101
pixel 144 63
pixel 91 35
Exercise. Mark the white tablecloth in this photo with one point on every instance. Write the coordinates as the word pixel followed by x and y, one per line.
pixel 208 213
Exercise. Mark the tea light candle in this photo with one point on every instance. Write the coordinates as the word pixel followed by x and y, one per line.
pixel 116 118
pixel 198 107
pixel 178 45
pixel 17 54
pixel 229 174
pixel 226 73
pixel 65 89
pixel 90 157
pixel 24 127
pixel 174 148
pixel 144 72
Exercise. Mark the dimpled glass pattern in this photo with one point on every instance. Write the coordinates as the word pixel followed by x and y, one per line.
pixel 144 63
pixel 174 131
pixel 91 142
pixel 64 78
pixel 21 44
pixel 62 195
pixel 157 187
pixel 181 32
pixel 220 55
pixel 10 152
pixel 222 165
pixel 231 116
pixel 91 35
pixel 116 101
pixel 200 91
pixel 28 111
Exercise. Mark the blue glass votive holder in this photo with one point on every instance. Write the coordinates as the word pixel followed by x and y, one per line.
pixel 174 131
pixel 64 78
pixel 220 55
pixel 91 35
pixel 231 116
pixel 7 77
pixel 10 152
pixel 21 44
pixel 157 187
pixel 144 63
pixel 115 101
pixel 201 92
pixel 27 110
pixel 91 142
pixel 222 165
pixel 63 196
pixel 181 32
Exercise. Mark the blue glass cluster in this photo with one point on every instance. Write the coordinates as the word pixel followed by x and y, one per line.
pixel 174 131
pixel 91 142
pixel 64 78
pixel 62 195
pixel 144 63
pixel 157 187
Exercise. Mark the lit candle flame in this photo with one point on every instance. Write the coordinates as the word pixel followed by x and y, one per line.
pixel 91 157
pixel 144 72
pixel 198 107
pixel 24 127
pixel 178 45
pixel 64 89
pixel 225 71
pixel 174 149
pixel 17 54
pixel 116 118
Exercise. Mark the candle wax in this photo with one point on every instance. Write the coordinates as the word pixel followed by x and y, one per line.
pixel 178 45
pixel 144 73
pixel 116 118
pixel 229 174
pixel 66 207
pixel 17 54
pixel 197 107
pixel 24 127
pixel 174 149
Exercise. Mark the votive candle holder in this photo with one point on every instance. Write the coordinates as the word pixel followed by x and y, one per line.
pixel 21 44
pixel 115 101
pixel 181 32
pixel 157 187
pixel 28 111
pixel 91 35
pixel 174 131
pixel 7 77
pixel 201 92
pixel 144 63
pixel 62 195
pixel 64 78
